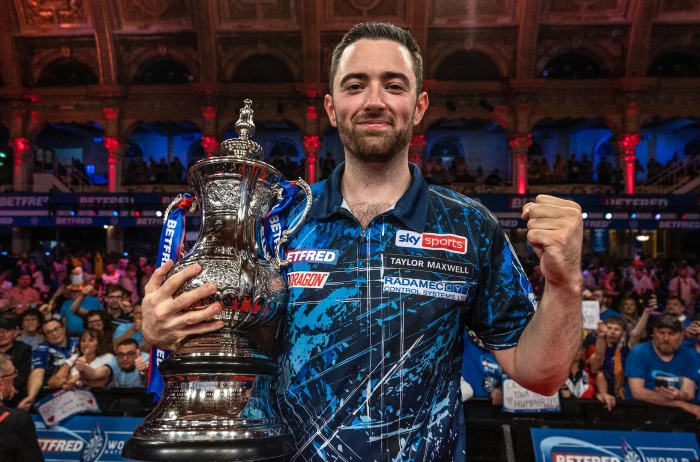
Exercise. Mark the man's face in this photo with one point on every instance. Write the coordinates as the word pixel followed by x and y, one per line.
pixel 24 281
pixel 30 323
pixel 598 296
pixel 137 313
pixel 666 340
pixel 95 322
pixel 114 300
pixel 374 103
pixel 7 336
pixel 615 332
pixel 674 306
pixel 110 269
pixel 126 356
pixel 7 389
pixel 54 332
pixel 683 273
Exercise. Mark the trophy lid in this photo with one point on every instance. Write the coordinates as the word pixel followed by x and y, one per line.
pixel 243 146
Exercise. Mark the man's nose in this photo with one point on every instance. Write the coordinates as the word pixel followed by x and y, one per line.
pixel 375 98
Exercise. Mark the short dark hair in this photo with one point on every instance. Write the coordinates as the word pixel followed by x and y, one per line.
pixel 379 31
pixel 114 288
pixel 675 297
pixel 127 342
pixel 615 320
pixel 32 312
pixel 104 316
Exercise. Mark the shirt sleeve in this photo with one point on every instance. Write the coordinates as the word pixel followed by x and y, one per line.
pixel 40 358
pixel 504 301
pixel 119 331
pixel 635 367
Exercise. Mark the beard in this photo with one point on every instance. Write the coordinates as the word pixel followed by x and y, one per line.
pixel 665 348
pixel 374 147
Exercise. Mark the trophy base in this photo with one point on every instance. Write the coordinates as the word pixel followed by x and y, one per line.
pixel 272 449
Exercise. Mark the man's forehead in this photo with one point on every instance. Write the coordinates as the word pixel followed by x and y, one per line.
pixel 393 57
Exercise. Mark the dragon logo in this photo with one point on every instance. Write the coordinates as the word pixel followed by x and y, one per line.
pixel 95 446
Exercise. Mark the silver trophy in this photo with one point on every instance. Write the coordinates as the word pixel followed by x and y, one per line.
pixel 216 403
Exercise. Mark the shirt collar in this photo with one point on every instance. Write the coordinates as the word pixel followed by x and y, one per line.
pixel 411 209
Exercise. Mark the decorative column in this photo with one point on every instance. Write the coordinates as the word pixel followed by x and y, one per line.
pixel 209 144
pixel 312 146
pixel 415 150
pixel 22 164
pixel 519 144
pixel 627 143
pixel 114 161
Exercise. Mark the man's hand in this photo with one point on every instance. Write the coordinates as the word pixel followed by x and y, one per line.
pixel 555 232
pixel 671 393
pixel 602 329
pixel 693 330
pixel 497 396
pixel 26 403
pixel 56 381
pixel 608 400
pixel 165 324
pixel 88 291
pixel 140 364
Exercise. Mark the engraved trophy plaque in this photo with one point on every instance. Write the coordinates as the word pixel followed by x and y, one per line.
pixel 216 402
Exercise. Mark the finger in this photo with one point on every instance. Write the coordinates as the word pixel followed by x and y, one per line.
pixel 539 238
pixel 544 223
pixel 195 317
pixel 551 211
pixel 526 209
pixel 178 279
pixel 157 277
pixel 186 299
pixel 546 199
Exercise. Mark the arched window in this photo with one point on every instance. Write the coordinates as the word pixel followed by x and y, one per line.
pixel 262 69
pixel 467 65
pixel 66 73
pixel 446 147
pixel 678 64
pixel 574 65
pixel 164 71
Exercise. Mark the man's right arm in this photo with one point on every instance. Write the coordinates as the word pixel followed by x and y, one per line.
pixel 36 380
pixel 640 392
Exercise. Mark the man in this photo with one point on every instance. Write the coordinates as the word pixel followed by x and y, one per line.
pixel 23 296
pixel 661 372
pixel 110 276
pixel 676 307
pixel 130 367
pixel 80 302
pixel 18 442
pixel 113 305
pixel 600 295
pixel 686 288
pixel 21 356
pixel 130 283
pixel 30 321
pixel 132 330
pixel 608 360
pixel 47 359
pixel 590 277
pixel 385 384
pixel 640 280
pixel 101 321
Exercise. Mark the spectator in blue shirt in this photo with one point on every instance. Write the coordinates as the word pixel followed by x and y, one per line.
pixel 129 367
pixel 600 295
pixel 79 304
pixel 661 372
pixel 47 359
pixel 481 370
pixel 131 330
pixel 693 332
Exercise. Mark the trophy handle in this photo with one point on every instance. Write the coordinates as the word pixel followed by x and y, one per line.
pixel 277 260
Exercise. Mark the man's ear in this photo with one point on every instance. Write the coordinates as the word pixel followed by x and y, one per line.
pixel 421 107
pixel 330 109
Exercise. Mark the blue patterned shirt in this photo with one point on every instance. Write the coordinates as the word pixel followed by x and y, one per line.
pixel 373 334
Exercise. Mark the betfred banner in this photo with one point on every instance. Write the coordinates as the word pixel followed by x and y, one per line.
pixel 562 445
pixel 85 438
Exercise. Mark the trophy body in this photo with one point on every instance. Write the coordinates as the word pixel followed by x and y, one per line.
pixel 216 402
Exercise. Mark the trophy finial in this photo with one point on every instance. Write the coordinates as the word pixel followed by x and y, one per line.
pixel 245 126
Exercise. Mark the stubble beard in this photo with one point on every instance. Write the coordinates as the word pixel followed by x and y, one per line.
pixel 374 148
pixel 665 348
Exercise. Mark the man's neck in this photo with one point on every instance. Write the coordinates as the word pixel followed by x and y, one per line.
pixel 6 348
pixel 370 189
pixel 664 357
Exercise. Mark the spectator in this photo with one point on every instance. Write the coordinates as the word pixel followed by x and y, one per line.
pixel 685 287
pixel 676 307
pixel 74 309
pixel 640 280
pixel 559 169
pixel 479 175
pixel 579 384
pixel 328 165
pixel 573 168
pixel 481 371
pixel 89 365
pixel 110 276
pixel 600 295
pixel 660 372
pixel 38 278
pixel 101 321
pixel 586 169
pixel 130 367
pixel 590 277
pixel 545 171
pixel 48 309
pixel 132 330
pixel 130 283
pixel 113 304
pixel 20 354
pixel 605 171
pixel 494 178
pixel 176 171
pixel 461 170
pixel 23 296
pixel 439 171
pixel 19 441
pixel 47 359
pixel 30 321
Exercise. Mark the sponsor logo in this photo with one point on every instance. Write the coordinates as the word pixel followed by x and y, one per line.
pixel 170 226
pixel 149 221
pixel 23 201
pixel 73 221
pixel 447 242
pixel 596 224
pixel 437 265
pixel 59 445
pixel 307 280
pixel 518 202
pixel 312 256
pixel 437 289
pixel 568 457
pixel 105 200
pixel 509 223
pixel 679 225
pixel 636 202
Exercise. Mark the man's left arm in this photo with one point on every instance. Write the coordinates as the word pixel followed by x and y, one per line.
pixel 542 358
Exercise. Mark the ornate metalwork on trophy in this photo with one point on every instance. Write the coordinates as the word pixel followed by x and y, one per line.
pixel 216 402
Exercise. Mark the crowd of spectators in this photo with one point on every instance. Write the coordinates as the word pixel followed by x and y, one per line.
pixel 73 321
pixel 646 346
pixel 436 172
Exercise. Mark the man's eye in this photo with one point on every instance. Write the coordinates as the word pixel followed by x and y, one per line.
pixel 354 86
pixel 396 87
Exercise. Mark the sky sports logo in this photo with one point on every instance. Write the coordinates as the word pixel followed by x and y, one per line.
pixel 447 242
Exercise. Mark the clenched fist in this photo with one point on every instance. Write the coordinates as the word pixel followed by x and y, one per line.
pixel 555 232
pixel 140 364
pixel 165 324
